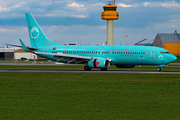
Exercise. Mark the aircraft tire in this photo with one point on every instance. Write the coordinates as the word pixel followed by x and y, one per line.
pixel 86 68
pixel 158 69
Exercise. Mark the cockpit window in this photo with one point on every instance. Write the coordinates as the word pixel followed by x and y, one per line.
pixel 165 53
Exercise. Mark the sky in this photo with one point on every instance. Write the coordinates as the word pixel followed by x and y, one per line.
pixel 79 21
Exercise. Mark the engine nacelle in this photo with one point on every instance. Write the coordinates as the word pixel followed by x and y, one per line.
pixel 125 66
pixel 98 63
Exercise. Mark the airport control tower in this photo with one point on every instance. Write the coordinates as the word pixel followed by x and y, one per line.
pixel 110 14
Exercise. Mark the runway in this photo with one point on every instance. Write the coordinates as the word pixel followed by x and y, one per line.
pixel 81 71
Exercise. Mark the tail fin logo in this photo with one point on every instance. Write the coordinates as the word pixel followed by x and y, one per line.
pixel 34 32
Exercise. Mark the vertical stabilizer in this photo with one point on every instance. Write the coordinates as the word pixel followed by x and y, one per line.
pixel 36 35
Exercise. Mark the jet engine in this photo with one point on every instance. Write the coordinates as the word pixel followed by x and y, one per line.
pixel 125 66
pixel 98 63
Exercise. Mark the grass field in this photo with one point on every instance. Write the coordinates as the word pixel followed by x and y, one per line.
pixel 76 96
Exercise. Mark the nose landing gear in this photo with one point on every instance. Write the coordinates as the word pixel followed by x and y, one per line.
pixel 159 67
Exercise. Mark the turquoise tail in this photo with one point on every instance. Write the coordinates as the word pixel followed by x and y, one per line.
pixel 36 35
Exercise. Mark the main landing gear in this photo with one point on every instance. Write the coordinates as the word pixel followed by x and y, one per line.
pixel 86 68
pixel 158 69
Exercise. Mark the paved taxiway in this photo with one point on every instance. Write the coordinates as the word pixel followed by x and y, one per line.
pixel 81 71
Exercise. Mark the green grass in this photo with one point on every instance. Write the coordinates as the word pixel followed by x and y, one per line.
pixel 76 96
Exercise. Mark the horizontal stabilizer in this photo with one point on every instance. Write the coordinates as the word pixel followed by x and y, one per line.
pixel 30 48
pixel 13 45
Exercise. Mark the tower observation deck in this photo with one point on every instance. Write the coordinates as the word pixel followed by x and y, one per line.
pixel 110 14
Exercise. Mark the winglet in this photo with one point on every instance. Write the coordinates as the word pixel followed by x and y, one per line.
pixel 23 46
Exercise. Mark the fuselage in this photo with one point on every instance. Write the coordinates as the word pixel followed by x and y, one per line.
pixel 117 54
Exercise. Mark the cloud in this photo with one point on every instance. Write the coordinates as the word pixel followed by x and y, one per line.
pixel 152 4
pixel 163 4
pixel 12 7
pixel 75 5
pixel 3 9
pixel 46 3
pixel 171 5
pixel 3 30
pixel 60 13
pixel 146 4
pixel 123 5
pixel 171 24
pixel 78 16
pixel 18 5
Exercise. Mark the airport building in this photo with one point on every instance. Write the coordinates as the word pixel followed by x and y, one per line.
pixel 169 41
pixel 20 53
pixel 7 53
pixel 11 54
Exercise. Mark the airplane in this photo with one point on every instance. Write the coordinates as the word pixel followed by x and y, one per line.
pixel 94 56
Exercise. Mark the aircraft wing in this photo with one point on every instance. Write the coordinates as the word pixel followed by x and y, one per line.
pixel 71 58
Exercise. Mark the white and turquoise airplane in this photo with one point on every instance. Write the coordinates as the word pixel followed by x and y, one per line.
pixel 94 56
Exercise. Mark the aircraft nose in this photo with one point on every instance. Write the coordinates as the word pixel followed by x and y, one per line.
pixel 173 58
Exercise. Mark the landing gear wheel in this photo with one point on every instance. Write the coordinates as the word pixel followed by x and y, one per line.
pixel 86 68
pixel 158 69
pixel 103 69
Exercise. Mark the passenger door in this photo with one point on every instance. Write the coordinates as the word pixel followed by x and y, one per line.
pixel 152 54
